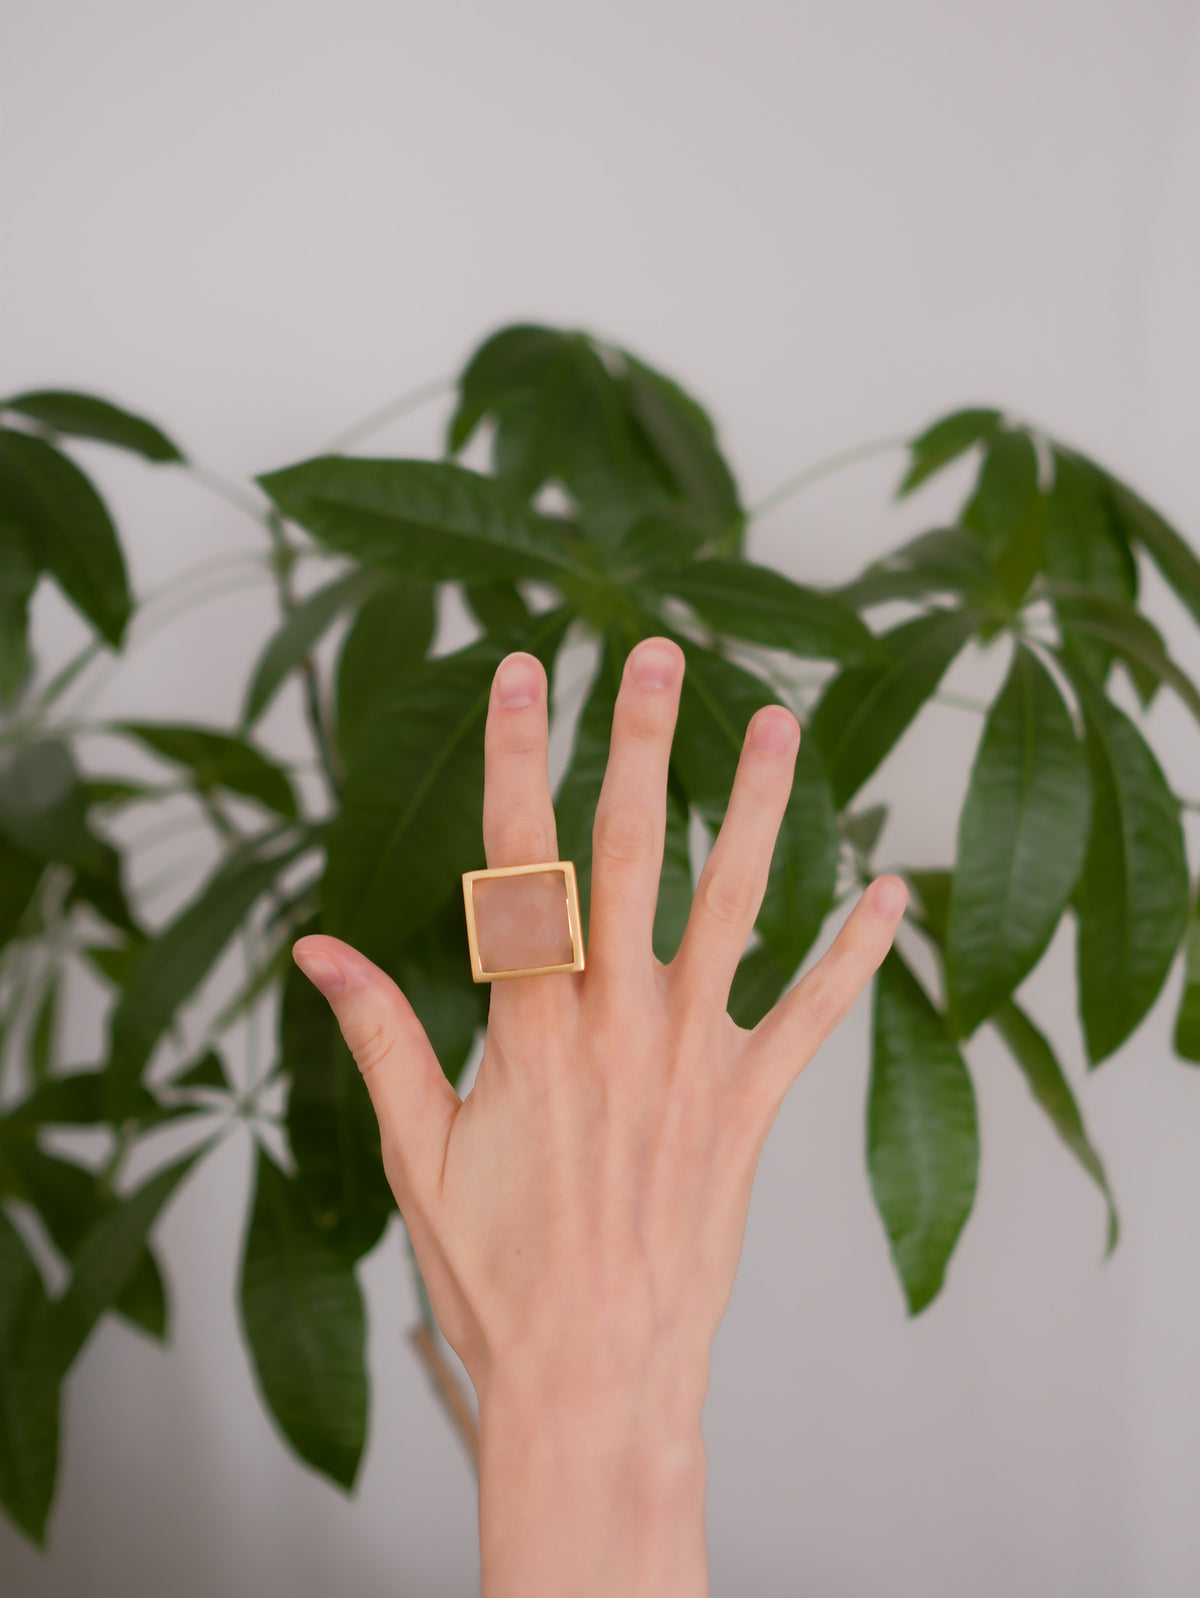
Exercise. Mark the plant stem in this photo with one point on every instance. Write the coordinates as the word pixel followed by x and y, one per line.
pixel 232 493
pixel 111 664
pixel 449 1394
pixel 960 702
pixel 390 412
pixel 423 1338
pixel 285 555
pixel 822 468
pixel 222 825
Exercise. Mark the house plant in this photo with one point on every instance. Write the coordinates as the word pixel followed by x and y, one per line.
pixel 608 512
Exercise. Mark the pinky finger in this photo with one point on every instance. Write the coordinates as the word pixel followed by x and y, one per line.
pixel 788 1036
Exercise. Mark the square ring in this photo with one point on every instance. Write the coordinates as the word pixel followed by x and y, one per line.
pixel 523 929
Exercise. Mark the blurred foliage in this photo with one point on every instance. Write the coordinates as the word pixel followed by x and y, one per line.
pixel 1067 810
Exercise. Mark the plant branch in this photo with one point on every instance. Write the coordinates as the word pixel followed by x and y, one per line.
pixel 113 662
pixel 822 468
pixel 423 1338
pixel 449 1394
pixel 231 492
pixel 285 557
pixel 390 412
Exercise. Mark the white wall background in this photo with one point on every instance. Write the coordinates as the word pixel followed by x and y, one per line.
pixel 256 220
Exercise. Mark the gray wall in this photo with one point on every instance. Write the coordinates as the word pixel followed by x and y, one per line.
pixel 256 220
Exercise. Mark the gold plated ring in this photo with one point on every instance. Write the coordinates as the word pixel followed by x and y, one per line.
pixel 523 921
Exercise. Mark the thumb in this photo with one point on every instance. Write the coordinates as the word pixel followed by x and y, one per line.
pixel 413 1101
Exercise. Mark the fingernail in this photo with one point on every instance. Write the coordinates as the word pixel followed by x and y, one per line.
pixel 774 734
pixel 654 666
pixel 516 681
pixel 320 970
pixel 890 896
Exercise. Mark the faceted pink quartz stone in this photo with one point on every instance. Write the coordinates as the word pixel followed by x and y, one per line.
pixel 522 921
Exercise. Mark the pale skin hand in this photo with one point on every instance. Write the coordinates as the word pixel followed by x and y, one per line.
pixel 578 1218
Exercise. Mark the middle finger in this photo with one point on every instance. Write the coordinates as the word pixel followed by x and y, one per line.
pixel 518 818
pixel 631 817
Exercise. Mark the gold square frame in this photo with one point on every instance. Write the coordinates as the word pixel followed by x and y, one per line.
pixel 567 867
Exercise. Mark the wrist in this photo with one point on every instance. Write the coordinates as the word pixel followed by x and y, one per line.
pixel 592 1488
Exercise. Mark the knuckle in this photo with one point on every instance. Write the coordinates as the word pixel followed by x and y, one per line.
pixel 727 895
pixel 522 740
pixel 825 1007
pixel 521 838
pixel 368 1042
pixel 645 721
pixel 626 833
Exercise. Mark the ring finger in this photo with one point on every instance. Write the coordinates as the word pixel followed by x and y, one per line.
pixel 518 810
pixel 730 891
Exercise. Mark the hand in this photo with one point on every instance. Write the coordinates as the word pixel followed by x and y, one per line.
pixel 578 1218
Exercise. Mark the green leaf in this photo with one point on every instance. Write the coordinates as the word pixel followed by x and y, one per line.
pixel 217 760
pixel 208 1072
pixel 945 441
pixel 932 911
pixel 71 1201
pixel 1007 511
pixel 332 1128
pixel 143 1299
pixel 298 635
pixel 922 1134
pixel 424 520
pixel 269 969
pixel 865 709
pixel 669 536
pixel 579 789
pixel 946 560
pixel 304 1321
pixel 109 1258
pixel 67 528
pixel 506 360
pixel 75 1100
pixel 113 792
pixel 43 807
pixel 168 970
pixel 85 416
pixel 579 792
pixel 67 1197
pixel 388 640
pixel 747 601
pixel 1141 524
pixel 433 971
pixel 1132 896
pixel 680 436
pixel 1087 615
pixel 28 1391
pixel 716 704
pixel 1083 546
pixel 412 809
pixel 1187 1023
pixel 498 606
pixel 19 573
pixel 43 1034
pixel 113 961
pixel 19 878
pixel 1050 1088
pixel 567 422
pixel 863 829
pixel 674 904
pixel 103 888
pixel 1021 839
pixel 757 983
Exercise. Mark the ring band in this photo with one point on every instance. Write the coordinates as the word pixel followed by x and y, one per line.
pixel 523 929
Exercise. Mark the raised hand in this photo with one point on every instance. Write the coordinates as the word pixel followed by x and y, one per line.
pixel 578 1217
